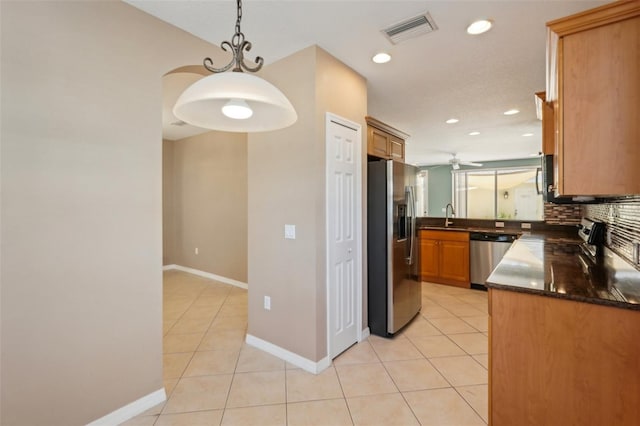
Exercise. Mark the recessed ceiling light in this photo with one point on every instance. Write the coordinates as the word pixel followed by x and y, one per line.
pixel 511 112
pixel 452 121
pixel 381 58
pixel 474 133
pixel 527 134
pixel 479 27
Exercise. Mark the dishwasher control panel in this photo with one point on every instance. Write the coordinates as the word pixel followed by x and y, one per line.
pixel 490 236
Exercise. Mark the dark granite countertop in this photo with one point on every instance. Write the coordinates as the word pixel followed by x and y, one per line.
pixel 546 235
pixel 471 229
pixel 558 268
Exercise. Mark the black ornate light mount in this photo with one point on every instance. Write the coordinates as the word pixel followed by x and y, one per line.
pixel 238 46
pixel 235 101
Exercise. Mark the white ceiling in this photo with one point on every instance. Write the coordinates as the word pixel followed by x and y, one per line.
pixel 443 74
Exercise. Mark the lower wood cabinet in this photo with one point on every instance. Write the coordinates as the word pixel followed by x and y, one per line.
pixel 561 362
pixel 444 257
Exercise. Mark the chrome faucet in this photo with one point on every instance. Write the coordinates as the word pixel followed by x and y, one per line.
pixel 447 222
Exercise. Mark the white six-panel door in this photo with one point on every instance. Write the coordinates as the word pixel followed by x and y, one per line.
pixel 344 242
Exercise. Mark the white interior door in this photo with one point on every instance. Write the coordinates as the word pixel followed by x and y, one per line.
pixel 344 242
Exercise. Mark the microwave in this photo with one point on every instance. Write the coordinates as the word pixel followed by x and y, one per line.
pixel 548 187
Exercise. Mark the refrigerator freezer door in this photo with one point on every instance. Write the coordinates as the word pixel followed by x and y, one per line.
pixel 394 291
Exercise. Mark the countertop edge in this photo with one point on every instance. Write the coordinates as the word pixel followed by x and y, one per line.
pixel 564 296
pixel 547 235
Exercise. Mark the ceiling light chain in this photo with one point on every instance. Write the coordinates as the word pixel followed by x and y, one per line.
pixel 237 45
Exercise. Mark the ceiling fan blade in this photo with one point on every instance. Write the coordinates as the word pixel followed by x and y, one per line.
pixel 471 163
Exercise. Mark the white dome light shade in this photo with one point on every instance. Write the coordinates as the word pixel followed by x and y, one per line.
pixel 201 103
pixel 238 109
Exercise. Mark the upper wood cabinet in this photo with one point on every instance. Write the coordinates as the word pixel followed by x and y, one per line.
pixel 544 111
pixel 593 83
pixel 384 141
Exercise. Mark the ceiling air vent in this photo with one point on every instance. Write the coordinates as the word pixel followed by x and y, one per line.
pixel 409 28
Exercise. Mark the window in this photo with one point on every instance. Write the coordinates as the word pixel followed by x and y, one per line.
pixel 505 193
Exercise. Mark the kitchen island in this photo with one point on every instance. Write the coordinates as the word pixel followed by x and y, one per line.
pixel 564 337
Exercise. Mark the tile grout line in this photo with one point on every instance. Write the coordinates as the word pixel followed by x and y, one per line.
pixel 415 416
pixel 286 397
pixel 199 343
pixel 235 367
pixel 471 356
pixel 193 353
pixel 344 398
pixel 163 337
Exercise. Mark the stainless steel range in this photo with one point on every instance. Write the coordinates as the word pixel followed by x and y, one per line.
pixel 592 234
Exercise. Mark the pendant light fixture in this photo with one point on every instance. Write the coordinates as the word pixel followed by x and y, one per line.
pixel 235 101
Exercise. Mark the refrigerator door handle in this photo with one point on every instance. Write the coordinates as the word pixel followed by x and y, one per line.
pixel 412 221
pixel 538 178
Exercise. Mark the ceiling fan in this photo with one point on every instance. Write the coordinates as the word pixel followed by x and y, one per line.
pixel 455 163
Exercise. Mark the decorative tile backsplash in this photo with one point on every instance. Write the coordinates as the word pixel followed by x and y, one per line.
pixel 562 214
pixel 623 224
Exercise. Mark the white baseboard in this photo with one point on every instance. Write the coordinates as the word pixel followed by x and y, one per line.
pixel 206 275
pixel 131 410
pixel 364 334
pixel 295 359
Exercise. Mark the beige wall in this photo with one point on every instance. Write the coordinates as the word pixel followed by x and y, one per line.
pixel 342 91
pixel 287 186
pixel 169 226
pixel 205 204
pixel 81 206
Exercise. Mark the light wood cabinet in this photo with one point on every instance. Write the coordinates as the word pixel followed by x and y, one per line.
pixel 384 141
pixel 561 362
pixel 593 75
pixel 544 111
pixel 444 257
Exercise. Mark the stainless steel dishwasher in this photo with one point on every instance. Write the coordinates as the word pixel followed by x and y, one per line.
pixel 485 252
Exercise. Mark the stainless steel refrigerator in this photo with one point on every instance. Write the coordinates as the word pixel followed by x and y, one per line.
pixel 394 290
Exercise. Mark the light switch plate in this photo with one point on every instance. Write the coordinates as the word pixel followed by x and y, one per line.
pixel 499 224
pixel 290 232
pixel 525 225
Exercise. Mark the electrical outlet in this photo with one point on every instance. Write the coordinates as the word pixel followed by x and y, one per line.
pixel 525 225
pixel 196 250
pixel 499 224
pixel 267 303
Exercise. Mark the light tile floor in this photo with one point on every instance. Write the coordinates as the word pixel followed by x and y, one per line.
pixel 432 373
